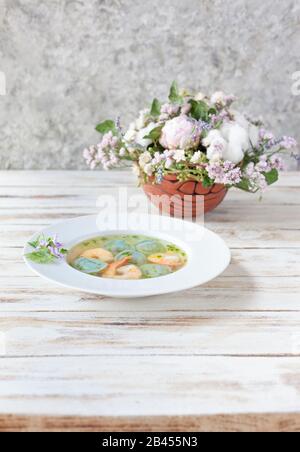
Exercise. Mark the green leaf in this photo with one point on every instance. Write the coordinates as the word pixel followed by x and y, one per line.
pixel 174 95
pixel 212 111
pixel 207 182
pixel 244 185
pixel 107 126
pixel 271 176
pixel 42 256
pixel 155 134
pixel 199 110
pixel 155 108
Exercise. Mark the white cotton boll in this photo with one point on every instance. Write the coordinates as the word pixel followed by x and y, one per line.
pixel 238 143
pixel 226 129
pixel 212 135
pixel 240 135
pixel 234 153
pixel 253 131
pixel 145 142
pixel 217 149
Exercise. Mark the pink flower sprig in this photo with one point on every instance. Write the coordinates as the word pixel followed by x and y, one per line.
pixel 106 154
pixel 256 173
pixel 226 173
pixel 47 250
pixel 269 141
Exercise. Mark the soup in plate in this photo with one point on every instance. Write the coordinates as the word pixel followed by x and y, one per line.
pixel 127 257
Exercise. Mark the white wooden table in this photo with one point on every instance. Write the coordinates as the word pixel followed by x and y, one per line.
pixel 225 356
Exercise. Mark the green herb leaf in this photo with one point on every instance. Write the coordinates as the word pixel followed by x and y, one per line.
pixel 107 126
pixel 199 110
pixel 42 256
pixel 271 176
pixel 34 244
pixel 155 134
pixel 155 108
pixel 174 95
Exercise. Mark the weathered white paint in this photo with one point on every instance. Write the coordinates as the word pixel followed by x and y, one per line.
pixel 230 348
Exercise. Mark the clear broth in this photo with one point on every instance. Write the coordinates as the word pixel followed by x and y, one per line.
pixel 127 257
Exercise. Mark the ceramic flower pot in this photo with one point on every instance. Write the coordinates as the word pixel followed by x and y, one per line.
pixel 184 197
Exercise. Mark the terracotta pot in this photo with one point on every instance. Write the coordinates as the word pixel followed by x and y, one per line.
pixel 176 196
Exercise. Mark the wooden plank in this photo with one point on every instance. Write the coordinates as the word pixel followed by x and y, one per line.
pixel 234 215
pixel 151 333
pixel 66 178
pixel 41 197
pixel 236 235
pixel 238 423
pixel 245 262
pixel 90 178
pixel 273 194
pixel 114 386
pixel 223 294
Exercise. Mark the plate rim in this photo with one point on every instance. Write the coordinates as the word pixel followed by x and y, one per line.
pixel 137 293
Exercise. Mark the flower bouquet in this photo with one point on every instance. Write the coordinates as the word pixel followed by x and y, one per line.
pixel 193 146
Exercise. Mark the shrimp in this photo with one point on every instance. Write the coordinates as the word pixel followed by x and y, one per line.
pixel 99 253
pixel 111 270
pixel 128 272
pixel 170 259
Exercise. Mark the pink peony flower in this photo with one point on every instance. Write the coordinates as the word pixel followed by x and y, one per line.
pixel 180 133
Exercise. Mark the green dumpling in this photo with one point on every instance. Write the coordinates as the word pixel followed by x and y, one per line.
pixel 148 247
pixel 155 270
pixel 137 258
pixel 90 266
pixel 116 246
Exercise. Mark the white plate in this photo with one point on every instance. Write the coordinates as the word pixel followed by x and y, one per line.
pixel 208 256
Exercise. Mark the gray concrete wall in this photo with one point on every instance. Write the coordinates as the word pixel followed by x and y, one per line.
pixel 70 63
